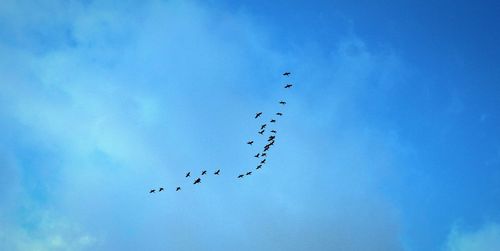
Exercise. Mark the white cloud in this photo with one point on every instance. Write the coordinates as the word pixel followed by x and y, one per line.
pixel 486 238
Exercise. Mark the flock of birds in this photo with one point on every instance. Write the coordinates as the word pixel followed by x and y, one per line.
pixel 260 155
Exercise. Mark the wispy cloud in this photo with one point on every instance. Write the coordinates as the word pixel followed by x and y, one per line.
pixel 122 99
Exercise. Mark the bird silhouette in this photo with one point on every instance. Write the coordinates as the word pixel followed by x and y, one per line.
pixel 279 114
pixel 282 103
pixel 217 173
pixel 271 137
pixel 259 167
pixel 288 85
pixel 152 191
pixel 250 142
pixel 273 131
pixel 240 176
pixel 188 174
pixel 258 114
pixel 286 74
pixel 161 189
pixel 273 120
pixel 264 154
pixel 257 155
pixel 249 173
pixel 262 132
pixel 178 188
pixel 263 126
pixel 263 161
pixel 197 181
pixel 204 172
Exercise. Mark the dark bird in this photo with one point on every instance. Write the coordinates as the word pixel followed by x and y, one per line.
pixel 250 142
pixel 279 114
pixel 288 85
pixel 197 181
pixel 258 114
pixel 249 173
pixel 152 191
pixel 273 131
pixel 286 74
pixel 282 102
pixel 178 188
pixel 266 148
pixel 257 155
pixel 188 174
pixel 259 167
pixel 273 120
pixel 263 126
pixel 240 176
pixel 217 173
pixel 263 161
pixel 262 132
pixel 161 189
pixel 204 172
pixel 271 143
pixel 264 154
pixel 271 137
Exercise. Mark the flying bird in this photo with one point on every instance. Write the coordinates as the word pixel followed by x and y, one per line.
pixel 257 155
pixel 263 161
pixel 204 172
pixel 279 114
pixel 288 85
pixel 178 188
pixel 152 191
pixel 259 167
pixel 217 173
pixel 250 142
pixel 273 120
pixel 188 174
pixel 240 176
pixel 262 132
pixel 282 103
pixel 273 131
pixel 264 154
pixel 249 173
pixel 197 181
pixel 286 74
pixel 258 114
pixel 161 189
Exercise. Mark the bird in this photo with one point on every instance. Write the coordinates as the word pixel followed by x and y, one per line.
pixel 178 188
pixel 250 142
pixel 259 167
pixel 273 120
pixel 152 191
pixel 197 181
pixel 258 114
pixel 249 173
pixel 240 176
pixel 262 132
pixel 288 85
pixel 217 173
pixel 188 174
pixel 271 138
pixel 263 126
pixel 279 114
pixel 257 155
pixel 264 154
pixel 286 74
pixel 271 143
pixel 161 189
pixel 263 161
pixel 282 103
pixel 266 148
pixel 273 131
pixel 204 172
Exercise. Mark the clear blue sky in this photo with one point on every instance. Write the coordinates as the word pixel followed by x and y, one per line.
pixel 390 139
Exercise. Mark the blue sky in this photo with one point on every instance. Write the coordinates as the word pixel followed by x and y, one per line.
pixel 390 138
